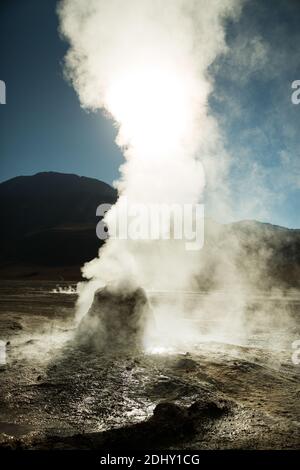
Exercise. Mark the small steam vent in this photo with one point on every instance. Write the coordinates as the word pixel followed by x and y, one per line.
pixel 115 320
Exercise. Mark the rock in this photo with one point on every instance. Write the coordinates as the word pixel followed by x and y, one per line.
pixel 115 320
pixel 169 412
pixel 208 409
pixel 186 364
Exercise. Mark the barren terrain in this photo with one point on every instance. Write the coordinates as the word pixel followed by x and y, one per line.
pixel 220 395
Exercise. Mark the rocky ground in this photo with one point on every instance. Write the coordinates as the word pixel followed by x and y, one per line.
pixel 55 395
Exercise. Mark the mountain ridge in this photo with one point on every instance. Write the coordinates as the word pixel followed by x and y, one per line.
pixel 49 229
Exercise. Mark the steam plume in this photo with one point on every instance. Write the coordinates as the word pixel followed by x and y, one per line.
pixel 145 63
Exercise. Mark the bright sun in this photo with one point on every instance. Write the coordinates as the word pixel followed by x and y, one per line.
pixel 151 106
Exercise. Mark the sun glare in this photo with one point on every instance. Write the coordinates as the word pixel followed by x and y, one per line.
pixel 151 107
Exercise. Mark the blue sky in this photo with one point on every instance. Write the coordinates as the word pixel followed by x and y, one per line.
pixel 43 128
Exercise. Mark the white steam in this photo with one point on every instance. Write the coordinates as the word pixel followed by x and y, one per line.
pixel 145 63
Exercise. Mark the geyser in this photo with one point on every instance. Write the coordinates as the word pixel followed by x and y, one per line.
pixel 146 64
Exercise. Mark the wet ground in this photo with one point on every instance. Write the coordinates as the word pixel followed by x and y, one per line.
pixel 56 395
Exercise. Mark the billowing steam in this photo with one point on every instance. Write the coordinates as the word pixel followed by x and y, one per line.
pixel 145 63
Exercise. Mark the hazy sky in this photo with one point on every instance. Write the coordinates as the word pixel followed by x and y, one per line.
pixel 43 128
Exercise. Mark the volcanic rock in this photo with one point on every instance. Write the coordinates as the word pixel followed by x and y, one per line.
pixel 115 320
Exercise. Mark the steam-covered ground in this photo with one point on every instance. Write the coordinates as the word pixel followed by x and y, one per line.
pixel 220 395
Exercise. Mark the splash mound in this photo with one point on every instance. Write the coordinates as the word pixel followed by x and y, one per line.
pixel 115 320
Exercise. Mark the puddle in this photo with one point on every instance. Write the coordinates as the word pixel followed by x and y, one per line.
pixel 14 430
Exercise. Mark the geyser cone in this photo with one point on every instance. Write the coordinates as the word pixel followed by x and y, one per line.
pixel 115 320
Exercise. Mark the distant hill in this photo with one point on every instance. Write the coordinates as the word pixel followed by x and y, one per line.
pixel 48 230
pixel 250 253
pixel 48 223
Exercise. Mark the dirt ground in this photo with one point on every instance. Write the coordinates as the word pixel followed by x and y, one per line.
pixel 55 395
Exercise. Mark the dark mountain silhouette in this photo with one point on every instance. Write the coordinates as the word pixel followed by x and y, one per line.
pixel 49 223
pixel 48 230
